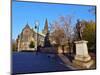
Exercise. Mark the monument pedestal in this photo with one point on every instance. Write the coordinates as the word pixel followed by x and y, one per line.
pixel 60 49
pixel 82 58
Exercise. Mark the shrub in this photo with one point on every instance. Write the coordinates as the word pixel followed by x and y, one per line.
pixel 32 44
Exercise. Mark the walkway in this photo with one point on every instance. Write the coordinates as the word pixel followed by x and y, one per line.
pixel 29 62
pixel 66 61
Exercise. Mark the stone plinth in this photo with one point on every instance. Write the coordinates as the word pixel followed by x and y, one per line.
pixel 60 49
pixel 66 49
pixel 82 58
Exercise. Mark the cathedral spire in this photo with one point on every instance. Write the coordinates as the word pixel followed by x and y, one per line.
pixel 45 30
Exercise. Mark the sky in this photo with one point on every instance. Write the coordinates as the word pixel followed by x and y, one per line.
pixel 28 12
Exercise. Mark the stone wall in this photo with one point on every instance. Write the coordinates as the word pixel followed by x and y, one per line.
pixel 57 49
pixel 48 50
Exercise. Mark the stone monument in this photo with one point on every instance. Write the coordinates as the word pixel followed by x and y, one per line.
pixel 82 58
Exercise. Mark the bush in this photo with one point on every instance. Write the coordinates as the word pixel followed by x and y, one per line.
pixel 32 44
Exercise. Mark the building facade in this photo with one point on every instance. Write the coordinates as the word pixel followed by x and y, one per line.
pixel 29 35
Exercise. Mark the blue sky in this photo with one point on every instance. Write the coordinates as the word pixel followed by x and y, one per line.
pixel 28 12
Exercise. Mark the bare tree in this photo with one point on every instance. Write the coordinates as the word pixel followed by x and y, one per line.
pixel 66 25
pixel 61 30
pixel 57 33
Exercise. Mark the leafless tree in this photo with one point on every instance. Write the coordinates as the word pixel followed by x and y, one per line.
pixel 61 30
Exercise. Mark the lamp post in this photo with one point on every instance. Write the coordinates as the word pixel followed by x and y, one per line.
pixel 37 28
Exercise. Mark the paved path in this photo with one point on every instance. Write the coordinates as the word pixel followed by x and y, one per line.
pixel 29 62
pixel 66 61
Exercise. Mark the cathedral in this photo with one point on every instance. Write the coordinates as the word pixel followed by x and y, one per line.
pixel 29 37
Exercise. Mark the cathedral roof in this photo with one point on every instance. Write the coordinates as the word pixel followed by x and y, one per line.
pixel 41 34
pixel 27 26
pixel 33 30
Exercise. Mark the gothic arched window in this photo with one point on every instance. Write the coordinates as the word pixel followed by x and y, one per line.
pixel 26 35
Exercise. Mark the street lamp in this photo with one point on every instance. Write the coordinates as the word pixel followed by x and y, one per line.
pixel 37 28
